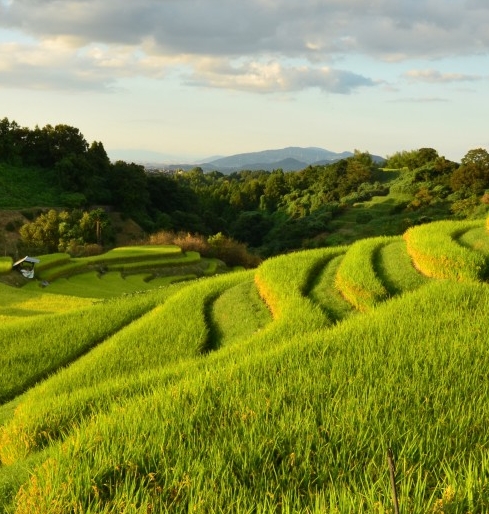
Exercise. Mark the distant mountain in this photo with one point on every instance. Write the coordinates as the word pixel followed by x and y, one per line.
pixel 270 159
pixel 292 158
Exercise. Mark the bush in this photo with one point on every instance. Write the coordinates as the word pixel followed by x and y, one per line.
pixel 218 246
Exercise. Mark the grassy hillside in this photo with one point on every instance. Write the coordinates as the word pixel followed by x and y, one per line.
pixel 273 390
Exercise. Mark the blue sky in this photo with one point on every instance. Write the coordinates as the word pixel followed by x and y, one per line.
pixel 189 79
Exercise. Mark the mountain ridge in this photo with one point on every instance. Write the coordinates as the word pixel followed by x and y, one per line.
pixel 292 158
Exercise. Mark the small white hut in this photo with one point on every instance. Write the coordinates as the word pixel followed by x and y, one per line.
pixel 26 266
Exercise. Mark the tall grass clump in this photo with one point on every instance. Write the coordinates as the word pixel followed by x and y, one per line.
pixel 299 426
pixel 357 279
pixel 436 252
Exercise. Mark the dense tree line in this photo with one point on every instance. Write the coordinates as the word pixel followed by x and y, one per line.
pixel 270 211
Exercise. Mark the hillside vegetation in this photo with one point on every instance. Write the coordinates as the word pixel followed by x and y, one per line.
pixel 278 389
pixel 270 211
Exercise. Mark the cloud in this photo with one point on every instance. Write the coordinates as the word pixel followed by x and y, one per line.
pixel 436 77
pixel 103 40
pixel 272 77
pixel 420 100
pixel 293 28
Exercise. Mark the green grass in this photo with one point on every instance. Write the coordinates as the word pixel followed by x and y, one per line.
pixel 33 348
pixel 128 259
pixel 357 278
pixel 107 285
pixel 476 238
pixel 21 303
pixel 5 265
pixel 239 313
pixel 436 252
pixel 209 403
pixel 396 270
pixel 266 431
pixel 325 294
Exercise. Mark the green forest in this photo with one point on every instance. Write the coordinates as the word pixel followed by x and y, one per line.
pixel 270 212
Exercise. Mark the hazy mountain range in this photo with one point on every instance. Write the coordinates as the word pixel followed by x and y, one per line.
pixel 289 159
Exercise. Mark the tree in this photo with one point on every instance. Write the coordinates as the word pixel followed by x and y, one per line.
pixel 473 173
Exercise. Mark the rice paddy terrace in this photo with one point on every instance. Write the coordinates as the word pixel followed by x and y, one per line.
pixel 278 389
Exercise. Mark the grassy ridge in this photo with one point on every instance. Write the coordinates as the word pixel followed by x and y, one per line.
pixel 55 266
pixel 292 414
pixel 268 432
pixel 107 285
pixel 357 278
pixel 170 333
pixel 22 303
pixel 325 293
pixel 31 349
pixel 436 252
pixel 395 268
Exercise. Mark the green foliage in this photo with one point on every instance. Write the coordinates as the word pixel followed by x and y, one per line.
pixel 473 174
pixel 306 418
pixel 32 349
pixel 53 231
pixel 292 411
pixel 411 159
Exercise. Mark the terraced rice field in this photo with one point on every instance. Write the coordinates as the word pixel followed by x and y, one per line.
pixel 277 390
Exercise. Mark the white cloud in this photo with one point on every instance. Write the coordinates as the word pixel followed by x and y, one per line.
pixel 108 39
pixel 272 77
pixel 436 77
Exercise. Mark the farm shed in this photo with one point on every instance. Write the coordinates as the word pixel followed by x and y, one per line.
pixel 26 266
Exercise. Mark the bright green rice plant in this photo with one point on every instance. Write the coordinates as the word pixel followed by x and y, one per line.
pixel 476 239
pixel 357 279
pixel 174 331
pixel 239 313
pixel 301 425
pixel 436 252
pixel 21 303
pixel 285 281
pixel 51 260
pixel 327 296
pixel 31 349
pixel 395 268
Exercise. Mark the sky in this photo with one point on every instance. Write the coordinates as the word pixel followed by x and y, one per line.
pixel 183 80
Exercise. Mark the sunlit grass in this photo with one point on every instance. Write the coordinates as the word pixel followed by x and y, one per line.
pixel 436 252
pixel 357 278
pixel 239 313
pixel 303 422
pixel 209 402
pixel 18 303
pixel 325 293
pixel 5 264
pixel 395 268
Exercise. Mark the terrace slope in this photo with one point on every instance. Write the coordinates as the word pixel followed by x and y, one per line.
pixel 206 400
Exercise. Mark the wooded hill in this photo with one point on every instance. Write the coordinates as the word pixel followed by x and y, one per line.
pixel 271 212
